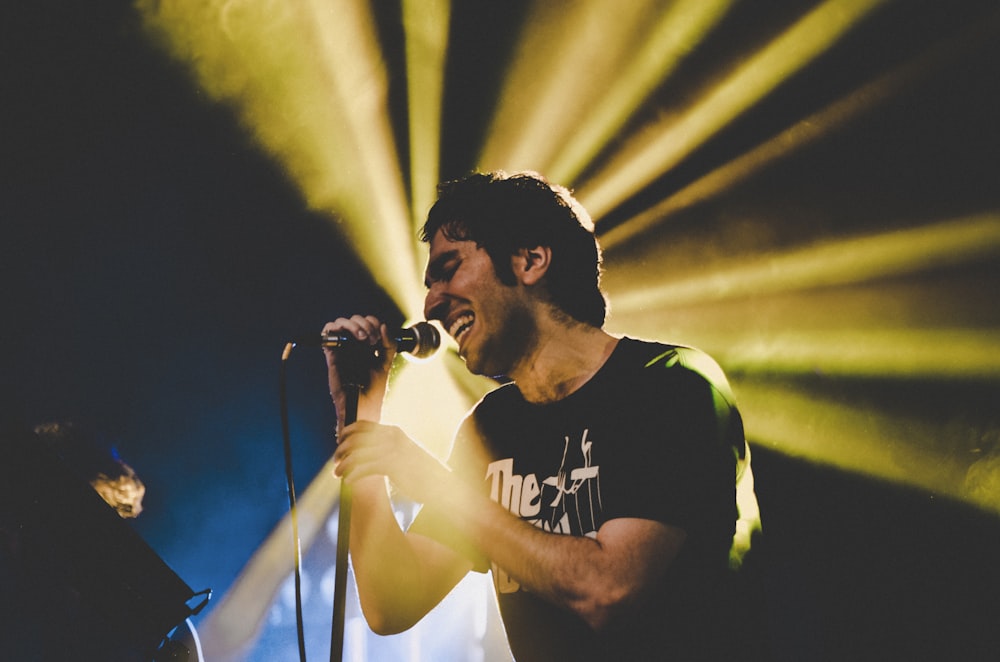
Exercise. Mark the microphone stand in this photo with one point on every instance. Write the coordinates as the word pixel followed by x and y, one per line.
pixel 343 541
pixel 354 367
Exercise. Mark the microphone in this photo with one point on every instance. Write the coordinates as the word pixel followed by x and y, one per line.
pixel 420 340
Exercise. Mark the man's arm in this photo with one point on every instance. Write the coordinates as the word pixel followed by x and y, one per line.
pixel 595 578
pixel 400 576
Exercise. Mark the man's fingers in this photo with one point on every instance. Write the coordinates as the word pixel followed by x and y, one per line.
pixel 355 467
pixel 362 327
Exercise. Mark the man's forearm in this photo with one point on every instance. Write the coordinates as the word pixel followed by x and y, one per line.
pixel 593 577
pixel 400 577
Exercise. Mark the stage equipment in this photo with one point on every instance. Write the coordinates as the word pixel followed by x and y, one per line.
pixel 76 581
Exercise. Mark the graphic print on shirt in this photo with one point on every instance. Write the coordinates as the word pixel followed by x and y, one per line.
pixel 567 502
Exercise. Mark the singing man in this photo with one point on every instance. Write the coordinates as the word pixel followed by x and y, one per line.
pixel 596 484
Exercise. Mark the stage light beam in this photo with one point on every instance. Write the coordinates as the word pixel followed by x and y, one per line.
pixel 870 442
pixel 650 153
pixel 426 26
pixel 875 354
pixel 307 79
pixel 806 131
pixel 676 32
pixel 830 263
pixel 884 329
pixel 231 627
pixel 556 71
pixel 578 75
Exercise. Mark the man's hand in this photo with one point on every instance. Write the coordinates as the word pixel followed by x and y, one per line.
pixel 370 449
pixel 366 329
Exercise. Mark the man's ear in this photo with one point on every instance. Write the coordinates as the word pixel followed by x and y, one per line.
pixel 531 264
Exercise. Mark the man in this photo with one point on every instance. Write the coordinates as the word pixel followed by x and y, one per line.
pixel 597 483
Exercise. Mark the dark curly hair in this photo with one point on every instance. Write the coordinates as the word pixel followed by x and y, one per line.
pixel 504 212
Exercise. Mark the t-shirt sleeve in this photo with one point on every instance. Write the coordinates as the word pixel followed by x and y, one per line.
pixel 674 464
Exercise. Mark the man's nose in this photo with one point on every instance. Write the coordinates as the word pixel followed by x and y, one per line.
pixel 435 304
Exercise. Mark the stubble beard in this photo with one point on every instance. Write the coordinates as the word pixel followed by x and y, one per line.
pixel 504 350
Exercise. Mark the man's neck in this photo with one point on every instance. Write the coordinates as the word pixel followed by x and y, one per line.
pixel 565 357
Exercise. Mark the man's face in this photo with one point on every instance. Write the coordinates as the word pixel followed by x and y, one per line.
pixel 490 321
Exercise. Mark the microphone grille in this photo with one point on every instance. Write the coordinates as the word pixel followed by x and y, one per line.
pixel 428 339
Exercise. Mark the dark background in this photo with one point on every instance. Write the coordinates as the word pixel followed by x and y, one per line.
pixel 155 261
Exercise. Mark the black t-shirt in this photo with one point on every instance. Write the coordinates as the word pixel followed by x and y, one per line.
pixel 653 435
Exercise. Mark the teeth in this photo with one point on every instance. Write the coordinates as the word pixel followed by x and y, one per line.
pixel 460 325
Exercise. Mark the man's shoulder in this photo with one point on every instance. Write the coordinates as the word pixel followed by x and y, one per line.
pixel 643 354
pixel 656 357
pixel 684 356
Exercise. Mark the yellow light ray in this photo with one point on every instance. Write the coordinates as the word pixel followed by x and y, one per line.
pixel 934 354
pixel 870 442
pixel 674 34
pixel 230 628
pixel 565 62
pixel 233 624
pixel 805 131
pixel 663 146
pixel 871 331
pixel 307 79
pixel 426 24
pixel 912 303
pixel 830 263
pixel 424 386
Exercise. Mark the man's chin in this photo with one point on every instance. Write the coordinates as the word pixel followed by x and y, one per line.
pixel 473 364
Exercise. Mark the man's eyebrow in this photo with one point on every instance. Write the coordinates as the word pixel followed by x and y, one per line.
pixel 435 268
